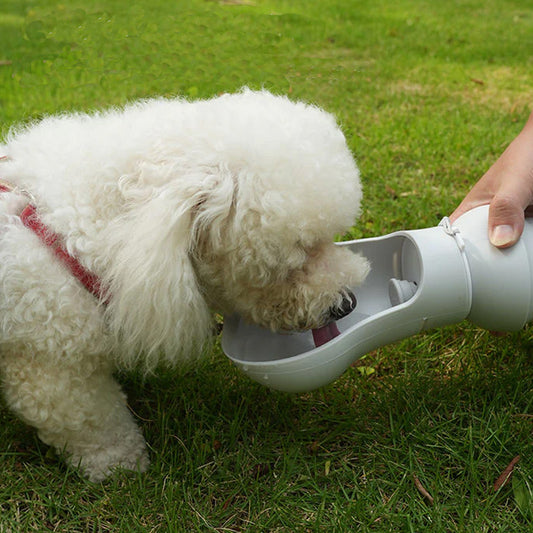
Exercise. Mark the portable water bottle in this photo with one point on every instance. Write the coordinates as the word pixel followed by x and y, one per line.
pixel 419 279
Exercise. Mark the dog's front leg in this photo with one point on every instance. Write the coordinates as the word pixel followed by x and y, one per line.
pixel 84 416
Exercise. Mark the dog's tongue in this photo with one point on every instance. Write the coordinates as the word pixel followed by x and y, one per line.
pixel 325 333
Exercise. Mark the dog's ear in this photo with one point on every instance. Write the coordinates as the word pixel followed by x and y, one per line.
pixel 156 309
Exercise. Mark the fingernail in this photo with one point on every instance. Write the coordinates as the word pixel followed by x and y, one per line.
pixel 502 236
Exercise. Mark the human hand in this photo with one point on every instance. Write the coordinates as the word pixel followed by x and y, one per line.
pixel 508 189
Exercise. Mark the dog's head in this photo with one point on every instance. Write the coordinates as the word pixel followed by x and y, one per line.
pixel 285 185
pixel 242 221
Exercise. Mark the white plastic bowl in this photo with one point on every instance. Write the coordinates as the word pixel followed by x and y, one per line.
pixel 420 279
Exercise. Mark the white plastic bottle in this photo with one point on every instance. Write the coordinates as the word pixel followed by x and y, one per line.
pixel 419 279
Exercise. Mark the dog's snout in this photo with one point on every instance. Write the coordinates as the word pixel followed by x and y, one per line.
pixel 348 304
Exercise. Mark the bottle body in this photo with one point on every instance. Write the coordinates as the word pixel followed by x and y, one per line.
pixel 420 279
pixel 501 279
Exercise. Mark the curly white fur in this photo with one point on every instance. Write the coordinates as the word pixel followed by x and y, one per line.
pixel 229 204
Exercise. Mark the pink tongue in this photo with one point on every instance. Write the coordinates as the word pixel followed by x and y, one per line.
pixel 325 334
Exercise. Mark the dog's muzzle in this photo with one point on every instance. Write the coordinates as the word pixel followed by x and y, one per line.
pixel 348 304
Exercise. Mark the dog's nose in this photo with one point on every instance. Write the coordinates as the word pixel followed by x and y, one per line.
pixel 347 305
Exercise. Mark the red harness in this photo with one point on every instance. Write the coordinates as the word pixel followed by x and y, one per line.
pixel 31 220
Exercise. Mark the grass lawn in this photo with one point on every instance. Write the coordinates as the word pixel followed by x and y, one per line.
pixel 429 94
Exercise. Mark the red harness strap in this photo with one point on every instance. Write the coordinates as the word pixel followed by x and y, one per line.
pixel 31 220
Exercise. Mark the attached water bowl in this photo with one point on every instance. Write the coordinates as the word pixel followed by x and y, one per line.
pixel 398 299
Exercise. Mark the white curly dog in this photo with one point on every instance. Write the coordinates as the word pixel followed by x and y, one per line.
pixel 174 209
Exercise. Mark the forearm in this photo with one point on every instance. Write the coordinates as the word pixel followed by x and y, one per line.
pixel 507 187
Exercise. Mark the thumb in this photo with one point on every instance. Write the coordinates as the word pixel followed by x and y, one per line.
pixel 506 221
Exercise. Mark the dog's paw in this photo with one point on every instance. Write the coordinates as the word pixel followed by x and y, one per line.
pixel 97 468
pixel 98 463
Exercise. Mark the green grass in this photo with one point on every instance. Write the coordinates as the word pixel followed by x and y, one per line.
pixel 428 93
